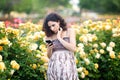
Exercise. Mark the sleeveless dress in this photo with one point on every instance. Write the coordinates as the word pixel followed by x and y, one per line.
pixel 61 65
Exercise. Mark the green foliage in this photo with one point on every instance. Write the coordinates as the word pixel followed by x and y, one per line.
pixel 30 5
pixel 101 6
pixel 23 5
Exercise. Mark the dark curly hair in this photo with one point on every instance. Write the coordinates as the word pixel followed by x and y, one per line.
pixel 53 17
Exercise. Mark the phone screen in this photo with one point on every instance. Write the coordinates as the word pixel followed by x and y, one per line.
pixel 49 42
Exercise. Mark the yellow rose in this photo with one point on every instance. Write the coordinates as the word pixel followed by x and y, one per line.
pixel 108 20
pixel 85 31
pixel 94 38
pixel 102 51
pixel 96 66
pixel 44 49
pixel 96 50
pixel 2 25
pixel 34 66
pixel 42 46
pixel 16 32
pixel 42 34
pixel 45 65
pixel 38 65
pixel 5 41
pixel 8 30
pixel 80 69
pixel 44 59
pixel 112 54
pixel 82 54
pixel 119 56
pixel 15 66
pixel 2 66
pixel 91 51
pixel 87 61
pixel 38 55
pixel 81 38
pixel 76 60
pixel 12 62
pixel 43 54
pixel 103 44
pixel 86 72
pixel 36 37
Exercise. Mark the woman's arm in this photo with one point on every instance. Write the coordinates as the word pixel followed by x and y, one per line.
pixel 49 49
pixel 72 45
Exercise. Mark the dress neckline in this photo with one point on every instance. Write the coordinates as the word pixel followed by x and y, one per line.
pixel 63 38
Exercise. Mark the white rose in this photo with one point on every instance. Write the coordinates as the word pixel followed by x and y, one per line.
pixel 33 46
pixel 0 57
pixel 112 44
pixel 109 48
pixel 97 56
pixel 80 69
pixel 82 75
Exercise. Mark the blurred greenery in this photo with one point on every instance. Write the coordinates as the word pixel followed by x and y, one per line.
pixel 101 6
pixel 30 5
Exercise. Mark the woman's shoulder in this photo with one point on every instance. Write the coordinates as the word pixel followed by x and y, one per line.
pixel 70 30
pixel 47 38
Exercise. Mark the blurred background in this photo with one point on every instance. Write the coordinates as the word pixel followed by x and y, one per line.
pixel 71 10
pixel 23 52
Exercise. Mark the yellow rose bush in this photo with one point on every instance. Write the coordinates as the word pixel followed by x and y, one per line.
pixel 22 52
pixel 98 50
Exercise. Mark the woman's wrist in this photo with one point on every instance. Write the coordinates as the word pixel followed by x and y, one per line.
pixel 49 50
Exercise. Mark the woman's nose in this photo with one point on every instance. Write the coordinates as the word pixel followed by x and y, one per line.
pixel 52 28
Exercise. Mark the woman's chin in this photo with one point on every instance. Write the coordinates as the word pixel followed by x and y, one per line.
pixel 55 32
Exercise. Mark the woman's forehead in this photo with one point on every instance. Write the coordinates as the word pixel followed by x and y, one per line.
pixel 51 22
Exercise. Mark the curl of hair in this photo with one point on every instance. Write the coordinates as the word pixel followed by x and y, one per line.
pixel 53 17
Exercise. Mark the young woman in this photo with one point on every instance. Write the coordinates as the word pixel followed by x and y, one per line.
pixel 61 49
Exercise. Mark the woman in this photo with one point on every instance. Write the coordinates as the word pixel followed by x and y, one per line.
pixel 61 49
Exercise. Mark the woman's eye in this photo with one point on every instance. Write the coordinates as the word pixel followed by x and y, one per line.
pixel 53 25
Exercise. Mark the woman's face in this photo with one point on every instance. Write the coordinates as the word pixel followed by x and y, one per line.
pixel 54 26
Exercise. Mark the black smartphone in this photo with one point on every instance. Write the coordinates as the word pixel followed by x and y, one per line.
pixel 49 42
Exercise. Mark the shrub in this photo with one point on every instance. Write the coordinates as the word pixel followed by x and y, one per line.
pixel 98 52
pixel 22 58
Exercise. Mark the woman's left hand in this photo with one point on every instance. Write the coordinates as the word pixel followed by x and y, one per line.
pixel 59 34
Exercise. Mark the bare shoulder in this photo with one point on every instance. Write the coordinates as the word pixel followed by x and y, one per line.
pixel 71 30
pixel 47 38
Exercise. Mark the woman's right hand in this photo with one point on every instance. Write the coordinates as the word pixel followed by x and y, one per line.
pixel 49 49
pixel 59 34
pixel 49 46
